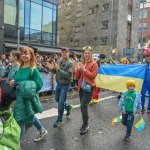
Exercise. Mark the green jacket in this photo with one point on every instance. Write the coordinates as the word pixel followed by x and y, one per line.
pixel 10 135
pixel 27 102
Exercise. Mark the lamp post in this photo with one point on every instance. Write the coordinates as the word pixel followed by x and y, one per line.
pixel 111 24
pixel 18 24
pixel 143 2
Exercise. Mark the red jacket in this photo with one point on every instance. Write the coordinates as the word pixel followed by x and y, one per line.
pixel 89 75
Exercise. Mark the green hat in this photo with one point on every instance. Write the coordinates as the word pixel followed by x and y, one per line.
pixel 88 47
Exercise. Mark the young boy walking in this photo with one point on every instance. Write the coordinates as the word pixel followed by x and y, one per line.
pixel 129 105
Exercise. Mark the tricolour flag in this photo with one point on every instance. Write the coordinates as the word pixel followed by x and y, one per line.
pixel 114 77
pixel 116 120
pixel 140 125
pixel 114 51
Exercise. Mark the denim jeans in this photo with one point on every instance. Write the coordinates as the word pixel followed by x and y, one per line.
pixel 60 97
pixel 127 120
pixel 85 99
pixel 36 123
pixel 145 88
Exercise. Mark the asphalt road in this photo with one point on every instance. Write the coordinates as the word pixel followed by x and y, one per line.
pixel 101 135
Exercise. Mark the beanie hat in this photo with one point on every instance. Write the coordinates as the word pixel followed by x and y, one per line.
pixel 130 82
pixel 125 60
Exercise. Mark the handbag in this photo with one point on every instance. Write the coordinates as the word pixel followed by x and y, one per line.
pixel 85 86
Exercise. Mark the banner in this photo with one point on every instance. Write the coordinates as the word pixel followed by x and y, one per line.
pixel 47 82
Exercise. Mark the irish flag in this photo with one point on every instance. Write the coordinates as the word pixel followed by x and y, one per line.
pixel 114 51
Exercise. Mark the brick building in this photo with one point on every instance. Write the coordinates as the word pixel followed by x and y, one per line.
pixel 102 24
pixel 144 24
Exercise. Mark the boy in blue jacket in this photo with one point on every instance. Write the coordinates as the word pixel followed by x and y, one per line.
pixel 129 105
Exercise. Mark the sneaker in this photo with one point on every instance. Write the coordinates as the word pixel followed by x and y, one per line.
pixel 41 135
pixel 127 138
pixel 58 124
pixel 84 129
pixel 69 110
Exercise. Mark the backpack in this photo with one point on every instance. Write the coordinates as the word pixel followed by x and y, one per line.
pixel 7 94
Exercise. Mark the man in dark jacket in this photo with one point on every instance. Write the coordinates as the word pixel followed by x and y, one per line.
pixel 64 73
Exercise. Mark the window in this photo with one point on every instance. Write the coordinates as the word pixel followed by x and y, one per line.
pixel 46 4
pixel 35 36
pixel 105 24
pixel 141 5
pixel 79 14
pixel 10 12
pixel 77 29
pixel 27 34
pixel 91 11
pixel 22 13
pixel 36 16
pixel 106 7
pixel 47 20
pixel 104 41
pixel 142 26
pixel 54 23
pixel 144 39
pixel 38 21
pixel 143 14
pixel 27 14
pixel 37 1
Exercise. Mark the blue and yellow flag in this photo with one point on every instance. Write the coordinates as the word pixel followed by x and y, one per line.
pixel 140 125
pixel 114 77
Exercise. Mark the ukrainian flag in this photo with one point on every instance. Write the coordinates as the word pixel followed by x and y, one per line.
pixel 114 77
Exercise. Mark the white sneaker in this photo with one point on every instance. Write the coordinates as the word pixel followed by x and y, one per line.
pixel 41 135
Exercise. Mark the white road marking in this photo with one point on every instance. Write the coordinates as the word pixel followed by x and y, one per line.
pixel 53 111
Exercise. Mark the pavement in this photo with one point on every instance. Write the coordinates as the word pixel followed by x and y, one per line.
pixel 101 135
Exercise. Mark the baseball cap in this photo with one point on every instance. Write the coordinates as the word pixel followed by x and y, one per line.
pixel 65 49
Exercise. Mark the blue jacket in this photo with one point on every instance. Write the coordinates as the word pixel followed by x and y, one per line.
pixel 147 72
pixel 137 104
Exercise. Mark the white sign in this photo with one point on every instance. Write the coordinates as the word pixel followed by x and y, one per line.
pixel 129 17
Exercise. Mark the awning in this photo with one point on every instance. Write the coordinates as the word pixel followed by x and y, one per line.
pixel 42 48
pixel 13 45
pixel 47 49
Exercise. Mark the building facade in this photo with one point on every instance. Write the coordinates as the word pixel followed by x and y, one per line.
pixel 144 24
pixel 38 24
pixel 102 24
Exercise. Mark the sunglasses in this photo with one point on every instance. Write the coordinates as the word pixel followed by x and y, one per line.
pixel 88 47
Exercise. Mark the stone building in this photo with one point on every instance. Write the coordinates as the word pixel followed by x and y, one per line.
pixel 102 24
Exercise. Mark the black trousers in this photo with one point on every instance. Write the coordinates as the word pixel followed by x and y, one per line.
pixel 127 120
pixel 85 99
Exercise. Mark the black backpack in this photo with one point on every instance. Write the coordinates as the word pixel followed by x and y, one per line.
pixel 8 94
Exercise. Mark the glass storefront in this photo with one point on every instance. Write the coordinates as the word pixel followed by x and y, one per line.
pixel 38 21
